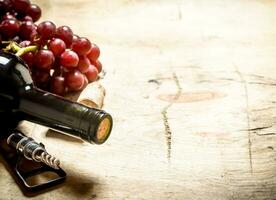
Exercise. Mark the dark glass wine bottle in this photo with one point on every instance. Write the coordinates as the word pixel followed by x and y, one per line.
pixel 19 97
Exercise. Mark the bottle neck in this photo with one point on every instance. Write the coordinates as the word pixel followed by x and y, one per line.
pixel 58 113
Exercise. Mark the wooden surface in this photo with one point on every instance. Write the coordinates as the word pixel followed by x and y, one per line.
pixel 192 88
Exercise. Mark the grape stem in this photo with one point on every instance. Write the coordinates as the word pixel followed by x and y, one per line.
pixel 14 47
pixel 27 49
pixel 19 51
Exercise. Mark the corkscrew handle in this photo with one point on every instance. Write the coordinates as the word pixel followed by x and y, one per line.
pixel 29 160
pixel 32 150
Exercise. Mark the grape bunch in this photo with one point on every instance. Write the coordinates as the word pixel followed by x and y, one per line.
pixel 59 60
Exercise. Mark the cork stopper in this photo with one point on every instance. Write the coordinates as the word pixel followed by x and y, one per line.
pixel 92 96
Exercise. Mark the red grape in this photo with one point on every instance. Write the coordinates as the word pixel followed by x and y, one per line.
pixel 21 5
pixel 34 12
pixel 58 85
pixel 27 30
pixel 44 59
pixel 66 34
pixel 5 6
pixel 57 71
pixel 29 59
pixel 8 16
pixel 97 64
pixel 74 80
pixel 46 30
pixel 57 46
pixel 75 37
pixel 9 28
pixel 85 82
pixel 41 76
pixel 81 46
pixel 27 19
pixel 60 61
pixel 92 73
pixel 94 52
pixel 83 64
pixel 69 59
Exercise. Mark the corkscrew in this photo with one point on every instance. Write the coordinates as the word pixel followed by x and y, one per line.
pixel 28 160
pixel 32 150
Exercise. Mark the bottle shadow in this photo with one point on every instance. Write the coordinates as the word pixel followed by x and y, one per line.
pixel 80 186
pixel 61 136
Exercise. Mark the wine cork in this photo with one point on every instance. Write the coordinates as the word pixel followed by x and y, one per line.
pixel 92 96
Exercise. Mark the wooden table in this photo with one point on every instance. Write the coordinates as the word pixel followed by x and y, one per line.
pixel 192 88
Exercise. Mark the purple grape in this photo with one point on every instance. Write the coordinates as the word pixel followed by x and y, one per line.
pixel 27 30
pixel 66 34
pixel 46 30
pixel 34 12
pixel 9 28
pixel 21 6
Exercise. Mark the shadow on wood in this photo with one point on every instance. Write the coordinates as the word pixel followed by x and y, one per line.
pixel 60 136
pixel 79 185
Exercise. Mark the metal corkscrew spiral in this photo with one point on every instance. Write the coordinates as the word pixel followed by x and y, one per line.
pixel 32 150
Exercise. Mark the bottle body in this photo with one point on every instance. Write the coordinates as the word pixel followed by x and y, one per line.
pixel 22 98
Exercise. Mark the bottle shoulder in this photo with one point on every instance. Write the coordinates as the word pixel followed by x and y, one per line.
pixel 13 71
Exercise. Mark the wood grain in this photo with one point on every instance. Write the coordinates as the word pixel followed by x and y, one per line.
pixel 191 86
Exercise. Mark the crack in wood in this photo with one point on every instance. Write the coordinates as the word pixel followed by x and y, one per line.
pixel 262 83
pixel 233 80
pixel 247 116
pixel 179 12
pixel 265 134
pixel 256 79
pixel 270 147
pixel 168 132
pixel 266 78
pixel 156 81
pixel 259 128
pixel 263 109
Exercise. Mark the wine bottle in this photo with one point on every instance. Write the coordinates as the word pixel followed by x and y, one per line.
pixel 20 97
